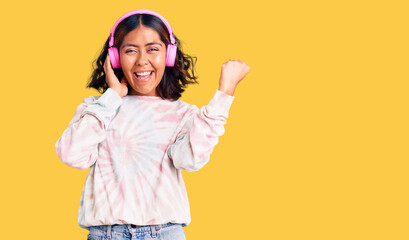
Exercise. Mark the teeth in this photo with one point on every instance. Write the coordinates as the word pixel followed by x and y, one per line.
pixel 143 73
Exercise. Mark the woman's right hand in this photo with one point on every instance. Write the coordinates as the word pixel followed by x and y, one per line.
pixel 119 87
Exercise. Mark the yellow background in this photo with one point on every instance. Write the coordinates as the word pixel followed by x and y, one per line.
pixel 316 144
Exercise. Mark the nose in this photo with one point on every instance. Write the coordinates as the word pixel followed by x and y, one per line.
pixel 142 59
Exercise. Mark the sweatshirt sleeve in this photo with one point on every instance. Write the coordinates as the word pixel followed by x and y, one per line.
pixel 200 133
pixel 78 145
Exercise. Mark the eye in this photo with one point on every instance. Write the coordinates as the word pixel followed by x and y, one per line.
pixel 153 49
pixel 130 50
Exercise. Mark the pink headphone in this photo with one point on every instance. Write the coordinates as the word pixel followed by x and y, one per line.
pixel 171 48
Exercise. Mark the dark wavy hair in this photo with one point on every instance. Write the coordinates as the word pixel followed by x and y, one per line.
pixel 174 79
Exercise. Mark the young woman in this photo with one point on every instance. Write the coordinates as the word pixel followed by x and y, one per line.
pixel 137 137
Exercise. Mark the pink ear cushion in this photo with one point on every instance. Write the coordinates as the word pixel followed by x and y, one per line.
pixel 114 56
pixel 171 55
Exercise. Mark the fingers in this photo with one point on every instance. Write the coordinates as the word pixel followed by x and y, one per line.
pixel 241 62
pixel 235 61
pixel 107 65
pixel 110 77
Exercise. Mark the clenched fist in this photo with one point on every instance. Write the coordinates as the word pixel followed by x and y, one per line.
pixel 232 73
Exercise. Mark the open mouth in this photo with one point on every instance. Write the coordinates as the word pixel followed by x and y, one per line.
pixel 143 76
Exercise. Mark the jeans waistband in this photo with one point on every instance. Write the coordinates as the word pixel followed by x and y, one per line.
pixel 123 228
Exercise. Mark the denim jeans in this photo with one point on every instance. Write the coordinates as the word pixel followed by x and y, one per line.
pixel 168 231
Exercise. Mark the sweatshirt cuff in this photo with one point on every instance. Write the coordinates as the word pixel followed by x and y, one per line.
pixel 105 107
pixel 220 104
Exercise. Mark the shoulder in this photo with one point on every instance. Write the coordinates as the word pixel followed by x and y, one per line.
pixel 90 99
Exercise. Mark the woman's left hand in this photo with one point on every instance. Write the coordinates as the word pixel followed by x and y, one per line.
pixel 232 73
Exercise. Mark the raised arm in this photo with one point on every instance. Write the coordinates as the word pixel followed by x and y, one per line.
pixel 78 145
pixel 200 133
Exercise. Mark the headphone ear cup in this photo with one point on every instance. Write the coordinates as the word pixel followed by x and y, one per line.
pixel 171 55
pixel 114 56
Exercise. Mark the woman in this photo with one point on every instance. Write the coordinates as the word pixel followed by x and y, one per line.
pixel 137 137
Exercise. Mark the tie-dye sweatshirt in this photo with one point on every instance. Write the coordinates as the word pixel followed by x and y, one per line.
pixel 136 148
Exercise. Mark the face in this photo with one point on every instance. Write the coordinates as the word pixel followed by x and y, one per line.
pixel 143 55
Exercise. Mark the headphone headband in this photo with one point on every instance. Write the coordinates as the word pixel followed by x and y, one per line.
pixel 171 48
pixel 141 11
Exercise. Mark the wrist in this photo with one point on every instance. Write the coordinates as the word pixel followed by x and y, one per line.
pixel 227 90
pixel 117 90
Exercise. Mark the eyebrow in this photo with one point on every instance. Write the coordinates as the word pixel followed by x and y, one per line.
pixel 148 44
